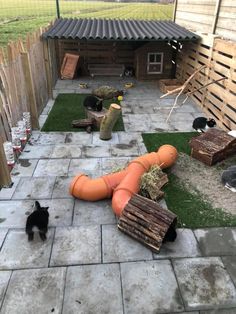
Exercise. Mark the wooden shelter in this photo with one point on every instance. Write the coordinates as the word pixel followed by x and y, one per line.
pixel 108 47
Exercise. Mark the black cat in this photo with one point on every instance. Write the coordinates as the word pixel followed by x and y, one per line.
pixel 38 218
pixel 201 124
pixel 93 103
pixel 129 71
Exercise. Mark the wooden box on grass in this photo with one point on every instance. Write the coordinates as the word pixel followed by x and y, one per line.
pixel 169 84
pixel 212 146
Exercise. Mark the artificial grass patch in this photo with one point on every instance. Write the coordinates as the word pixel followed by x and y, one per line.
pixel 178 139
pixel 192 211
pixel 68 107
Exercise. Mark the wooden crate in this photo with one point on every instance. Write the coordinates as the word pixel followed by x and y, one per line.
pixel 212 146
pixel 168 85
pixel 69 66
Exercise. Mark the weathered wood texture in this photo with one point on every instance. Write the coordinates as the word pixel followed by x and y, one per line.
pixel 212 146
pixel 217 100
pixel 146 221
pixel 23 81
pixel 208 16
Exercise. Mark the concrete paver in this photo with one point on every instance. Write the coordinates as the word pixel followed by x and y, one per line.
pixel 230 264
pixel 76 245
pixel 24 168
pixel 3 232
pixel 150 287
pixel 35 291
pixel 4 279
pixel 93 289
pixel 61 187
pixel 93 213
pixel 204 283
pixel 52 167
pixel 217 241
pixel 185 245
pixel 118 247
pixel 18 253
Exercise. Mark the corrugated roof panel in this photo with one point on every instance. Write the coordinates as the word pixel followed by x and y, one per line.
pixel 123 30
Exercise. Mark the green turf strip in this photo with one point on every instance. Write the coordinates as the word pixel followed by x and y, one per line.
pixel 191 210
pixel 69 107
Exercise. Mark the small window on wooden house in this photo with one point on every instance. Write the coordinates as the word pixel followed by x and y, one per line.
pixel 155 63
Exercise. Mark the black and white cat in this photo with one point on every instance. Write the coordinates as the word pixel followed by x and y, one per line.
pixel 228 178
pixel 201 124
pixel 93 103
pixel 38 218
pixel 129 71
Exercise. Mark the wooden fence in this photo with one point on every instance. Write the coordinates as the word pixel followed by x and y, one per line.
pixel 219 57
pixel 27 76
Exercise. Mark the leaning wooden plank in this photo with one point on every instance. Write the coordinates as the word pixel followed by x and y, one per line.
pixel 69 66
pixel 147 222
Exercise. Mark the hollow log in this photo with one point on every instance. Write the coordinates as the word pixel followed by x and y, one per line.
pixel 147 222
pixel 83 123
pixel 108 121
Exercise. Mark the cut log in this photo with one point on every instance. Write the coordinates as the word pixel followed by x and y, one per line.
pixel 96 115
pixel 212 146
pixel 109 121
pixel 83 123
pixel 147 222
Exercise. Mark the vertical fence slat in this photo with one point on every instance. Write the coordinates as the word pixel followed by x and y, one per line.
pixel 5 178
pixel 30 89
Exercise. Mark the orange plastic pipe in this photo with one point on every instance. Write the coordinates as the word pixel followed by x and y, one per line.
pixel 124 183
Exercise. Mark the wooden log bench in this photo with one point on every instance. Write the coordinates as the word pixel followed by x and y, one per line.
pixel 106 69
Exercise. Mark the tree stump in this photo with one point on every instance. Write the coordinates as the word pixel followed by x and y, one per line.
pixel 109 121
pixel 147 222
pixel 96 115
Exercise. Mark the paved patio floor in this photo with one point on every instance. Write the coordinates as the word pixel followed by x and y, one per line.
pixel 87 265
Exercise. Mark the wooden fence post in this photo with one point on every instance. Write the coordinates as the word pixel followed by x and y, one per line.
pixel 47 67
pixel 30 89
pixel 5 178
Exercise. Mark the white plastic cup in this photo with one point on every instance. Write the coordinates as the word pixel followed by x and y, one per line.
pixel 26 117
pixel 8 149
pixel 22 129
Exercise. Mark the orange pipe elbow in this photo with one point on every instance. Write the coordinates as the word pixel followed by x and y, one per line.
pixel 89 189
pixel 123 183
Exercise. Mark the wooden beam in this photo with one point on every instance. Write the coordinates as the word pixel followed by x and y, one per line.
pixel 47 67
pixel 5 178
pixel 174 11
pixel 216 16
pixel 30 89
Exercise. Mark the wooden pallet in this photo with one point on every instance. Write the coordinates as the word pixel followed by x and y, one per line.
pixel 219 55
pixel 69 66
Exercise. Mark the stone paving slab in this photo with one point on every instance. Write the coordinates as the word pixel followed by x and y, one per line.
pixel 52 167
pixel 150 287
pixel 24 168
pixel 204 283
pixel 185 245
pixel 87 166
pixel 78 138
pixel 130 138
pixel 221 311
pixel 217 241
pixel 34 188
pixel 230 264
pixel 7 193
pixel 93 289
pixel 66 151
pixel 35 291
pixel 111 164
pixel 3 232
pixel 51 138
pixel 93 213
pixel 60 211
pixel 97 142
pixel 61 187
pixel 17 252
pixel 33 152
pixel 13 214
pixel 124 150
pixel 96 151
pixel 76 245
pixel 4 279
pixel 118 247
